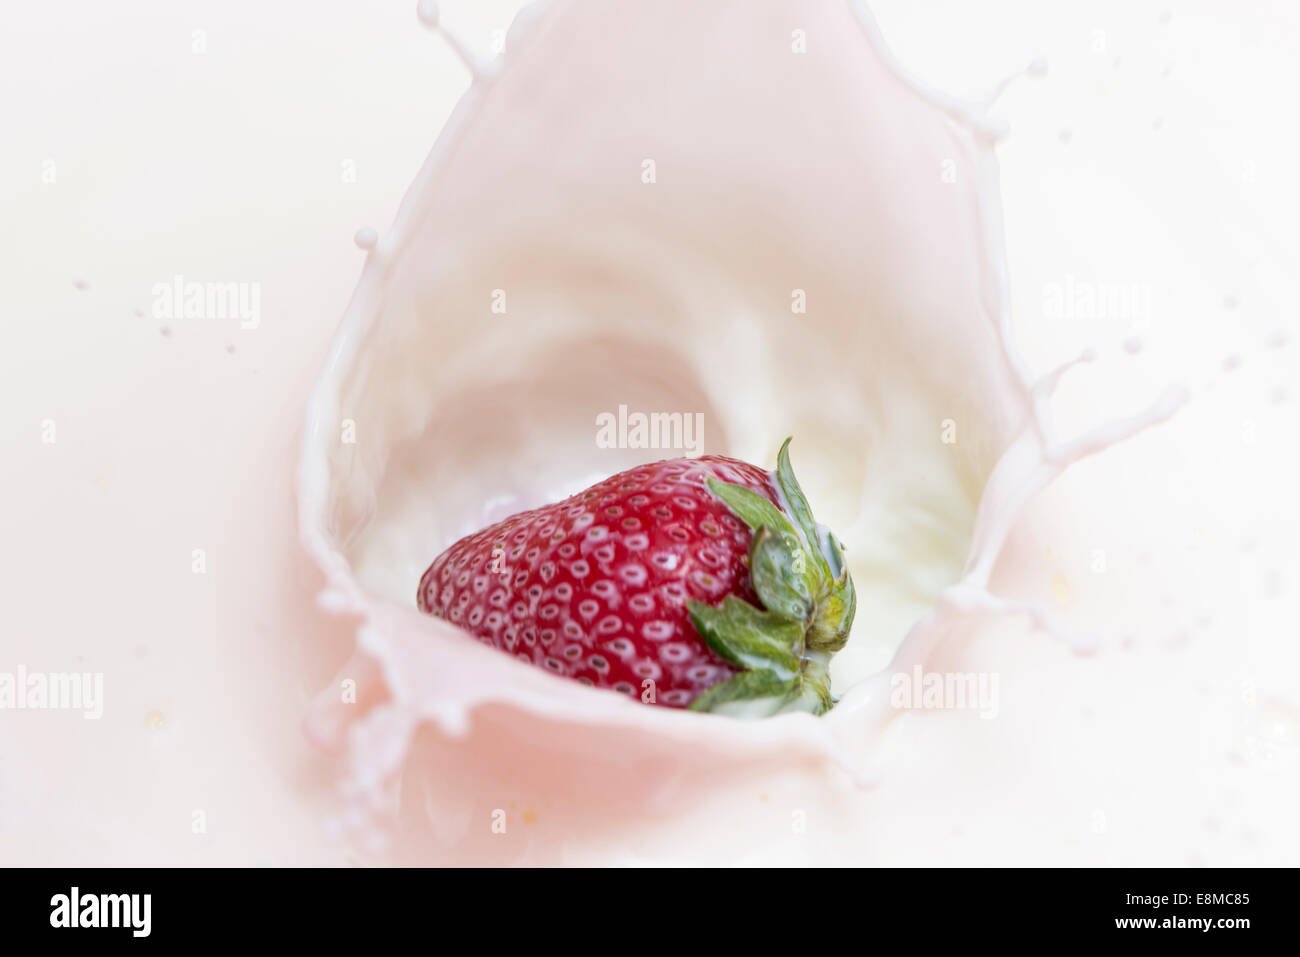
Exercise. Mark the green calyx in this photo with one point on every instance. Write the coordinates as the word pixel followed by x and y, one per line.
pixel 798 571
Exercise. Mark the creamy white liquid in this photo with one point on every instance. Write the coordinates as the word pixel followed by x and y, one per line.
pixel 674 295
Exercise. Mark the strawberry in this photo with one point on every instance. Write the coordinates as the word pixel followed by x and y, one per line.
pixel 701 582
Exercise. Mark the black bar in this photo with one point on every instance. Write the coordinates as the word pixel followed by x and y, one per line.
pixel 845 908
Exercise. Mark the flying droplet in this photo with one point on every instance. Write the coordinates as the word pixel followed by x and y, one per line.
pixel 427 11
pixel 365 238
pixel 1269 736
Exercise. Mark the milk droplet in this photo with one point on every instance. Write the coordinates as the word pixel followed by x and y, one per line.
pixel 427 11
pixel 365 238
pixel 81 285
pixel 1037 67
pixel 1133 345
pixel 1278 338
pixel 1269 737
pixel 1232 363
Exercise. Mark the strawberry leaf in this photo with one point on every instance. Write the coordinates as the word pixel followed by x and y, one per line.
pixel 833 617
pixel 778 568
pixel 748 637
pixel 749 687
pixel 762 693
pixel 794 496
pixel 829 630
pixel 835 557
pixel 752 509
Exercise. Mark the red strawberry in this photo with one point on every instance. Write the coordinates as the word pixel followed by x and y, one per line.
pixel 701 582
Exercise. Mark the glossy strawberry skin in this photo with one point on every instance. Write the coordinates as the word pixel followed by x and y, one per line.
pixel 595 587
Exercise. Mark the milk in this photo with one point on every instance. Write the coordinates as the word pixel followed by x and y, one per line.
pixel 927 432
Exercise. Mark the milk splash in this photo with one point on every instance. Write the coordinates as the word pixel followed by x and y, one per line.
pixel 645 757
